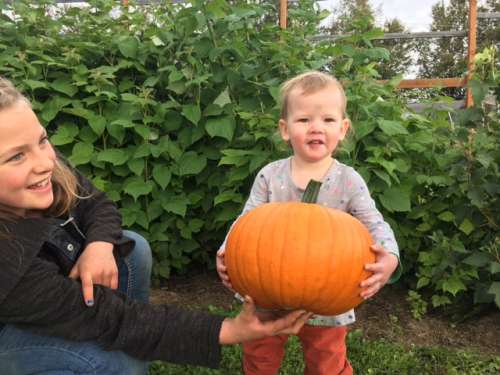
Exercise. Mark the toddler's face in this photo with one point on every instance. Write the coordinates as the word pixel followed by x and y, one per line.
pixel 26 162
pixel 315 123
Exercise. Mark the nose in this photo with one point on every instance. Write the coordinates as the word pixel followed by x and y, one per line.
pixel 315 126
pixel 43 161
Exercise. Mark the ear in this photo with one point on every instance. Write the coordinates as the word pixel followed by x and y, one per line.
pixel 284 130
pixel 344 127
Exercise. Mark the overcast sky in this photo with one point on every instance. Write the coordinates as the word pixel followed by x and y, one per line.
pixel 415 15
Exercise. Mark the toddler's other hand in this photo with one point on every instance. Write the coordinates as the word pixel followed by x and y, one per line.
pixel 222 269
pixel 385 264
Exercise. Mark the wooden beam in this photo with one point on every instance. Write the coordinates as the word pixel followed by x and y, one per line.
pixel 420 35
pixel 423 83
pixel 472 48
pixel 283 13
pixel 431 82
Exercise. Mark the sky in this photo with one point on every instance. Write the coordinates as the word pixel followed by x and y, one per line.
pixel 415 15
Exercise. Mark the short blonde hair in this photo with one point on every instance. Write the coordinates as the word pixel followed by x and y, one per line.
pixel 310 83
pixel 64 181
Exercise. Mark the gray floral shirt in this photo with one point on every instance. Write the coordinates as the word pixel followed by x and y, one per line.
pixel 342 188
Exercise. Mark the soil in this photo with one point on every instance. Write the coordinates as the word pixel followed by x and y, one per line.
pixel 387 315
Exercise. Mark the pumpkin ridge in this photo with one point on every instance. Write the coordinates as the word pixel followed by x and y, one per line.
pixel 274 212
pixel 282 251
pixel 320 296
pixel 240 234
pixel 258 253
pixel 330 300
pixel 282 269
pixel 345 293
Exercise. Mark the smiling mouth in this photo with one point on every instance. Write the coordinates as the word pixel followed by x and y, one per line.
pixel 315 142
pixel 41 184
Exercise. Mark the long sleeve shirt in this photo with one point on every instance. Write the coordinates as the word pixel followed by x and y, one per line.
pixel 342 189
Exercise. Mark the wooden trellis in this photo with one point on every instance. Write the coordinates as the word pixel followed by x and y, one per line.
pixel 432 82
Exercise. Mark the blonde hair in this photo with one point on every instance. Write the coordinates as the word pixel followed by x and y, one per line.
pixel 310 83
pixel 64 181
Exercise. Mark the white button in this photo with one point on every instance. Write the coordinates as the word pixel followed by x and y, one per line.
pixel 70 247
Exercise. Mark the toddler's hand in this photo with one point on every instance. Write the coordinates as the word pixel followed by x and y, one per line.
pixel 222 269
pixel 382 270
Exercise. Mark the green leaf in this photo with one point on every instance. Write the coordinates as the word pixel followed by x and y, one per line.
pixel 136 166
pixel 35 84
pixel 223 98
pixel 396 199
pixel 453 285
pixel 128 46
pixel 494 267
pixel 65 134
pixel 97 123
pixel 192 113
pixel 363 128
pixel 114 156
pixel 447 216
pixel 177 205
pixel 478 259
pixel 392 127
pixel 162 175
pixel 467 227
pixel 383 176
pixel 221 127
pixel 495 290
pixel 64 86
pixel 137 187
pixel 52 107
pixel 227 196
pixel 81 154
pixel 191 163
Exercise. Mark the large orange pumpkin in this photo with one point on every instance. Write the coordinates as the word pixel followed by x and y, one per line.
pixel 295 255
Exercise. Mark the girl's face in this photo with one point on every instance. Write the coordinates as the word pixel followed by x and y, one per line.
pixel 26 162
pixel 315 123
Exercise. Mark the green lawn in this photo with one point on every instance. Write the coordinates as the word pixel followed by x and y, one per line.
pixel 367 357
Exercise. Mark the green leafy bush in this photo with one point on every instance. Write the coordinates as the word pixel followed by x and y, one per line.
pixel 171 109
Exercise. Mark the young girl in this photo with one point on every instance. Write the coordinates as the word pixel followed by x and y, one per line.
pixel 313 121
pixel 62 320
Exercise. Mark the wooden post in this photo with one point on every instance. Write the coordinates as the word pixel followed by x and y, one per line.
pixel 472 47
pixel 283 13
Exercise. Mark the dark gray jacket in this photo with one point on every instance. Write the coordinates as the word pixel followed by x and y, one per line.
pixel 34 295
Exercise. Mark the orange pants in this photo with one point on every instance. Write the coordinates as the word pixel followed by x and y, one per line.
pixel 325 352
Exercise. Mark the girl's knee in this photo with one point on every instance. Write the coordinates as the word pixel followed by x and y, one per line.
pixel 141 253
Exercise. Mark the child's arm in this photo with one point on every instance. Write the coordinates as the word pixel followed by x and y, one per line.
pixel 100 221
pixel 362 206
pixel 384 266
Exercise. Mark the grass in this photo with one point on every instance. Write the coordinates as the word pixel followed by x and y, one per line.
pixel 373 357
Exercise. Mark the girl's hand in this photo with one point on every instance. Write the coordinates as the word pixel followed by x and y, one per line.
pixel 247 325
pixel 96 265
pixel 382 270
pixel 222 269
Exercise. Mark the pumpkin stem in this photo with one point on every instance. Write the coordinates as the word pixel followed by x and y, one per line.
pixel 311 192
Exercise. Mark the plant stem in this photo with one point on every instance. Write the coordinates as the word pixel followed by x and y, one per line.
pixel 311 192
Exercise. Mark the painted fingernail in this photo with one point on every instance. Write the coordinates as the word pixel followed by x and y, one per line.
pixel 90 302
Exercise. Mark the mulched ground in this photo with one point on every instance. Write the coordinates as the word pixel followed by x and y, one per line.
pixel 387 315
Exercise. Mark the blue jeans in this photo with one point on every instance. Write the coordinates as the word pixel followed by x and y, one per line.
pixel 23 353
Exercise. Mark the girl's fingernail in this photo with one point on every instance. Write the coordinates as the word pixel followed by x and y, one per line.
pixel 90 302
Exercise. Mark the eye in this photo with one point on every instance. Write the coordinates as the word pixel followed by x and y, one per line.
pixel 16 157
pixel 330 119
pixel 303 120
pixel 44 140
